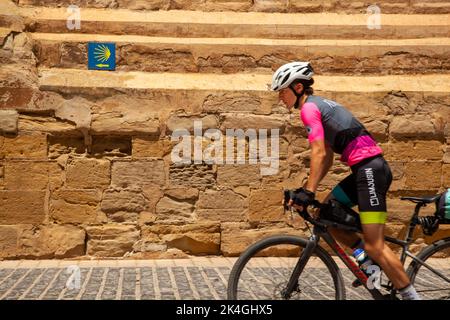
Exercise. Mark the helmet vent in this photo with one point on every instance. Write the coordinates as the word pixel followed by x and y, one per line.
pixel 285 79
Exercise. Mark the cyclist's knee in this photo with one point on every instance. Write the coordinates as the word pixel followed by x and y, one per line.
pixel 374 250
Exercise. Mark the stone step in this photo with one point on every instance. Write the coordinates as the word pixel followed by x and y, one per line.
pixel 386 6
pixel 179 23
pixel 162 94
pixel 230 55
pixel 79 79
pixel 155 104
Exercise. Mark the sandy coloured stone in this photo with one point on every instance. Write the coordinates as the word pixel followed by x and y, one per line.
pixel 176 122
pixel 120 199
pixel 111 146
pixel 8 121
pixel 28 175
pixel 124 115
pixel 146 217
pixel 149 147
pixel 222 205
pixel 83 173
pixel 77 110
pixel 61 145
pixel 265 206
pixel 19 206
pixel 43 242
pixel 182 193
pixel 138 172
pixel 198 227
pixel 301 6
pixel 412 127
pixel 221 199
pixel 152 194
pixel 270 5
pixel 76 206
pixel 414 150
pixel 238 175
pixel 446 158
pixel 235 240
pixel 233 102
pixel 171 210
pixel 25 146
pixel 378 129
pixel 52 125
pixel 199 176
pixel 9 236
pixel 423 175
pixel 194 243
pixel 446 175
pixel 196 238
pixel 112 240
pixel 52 241
pixel 246 121
pixel 311 6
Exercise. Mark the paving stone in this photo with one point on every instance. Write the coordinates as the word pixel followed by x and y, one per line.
pixel 175 282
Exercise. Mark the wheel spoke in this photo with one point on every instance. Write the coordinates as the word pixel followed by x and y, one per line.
pixel 257 277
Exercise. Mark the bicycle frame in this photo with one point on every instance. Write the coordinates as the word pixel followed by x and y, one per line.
pixel 320 230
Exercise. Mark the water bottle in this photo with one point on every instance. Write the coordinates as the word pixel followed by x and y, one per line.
pixel 365 262
pixel 363 259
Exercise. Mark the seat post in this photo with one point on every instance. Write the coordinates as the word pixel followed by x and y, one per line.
pixel 414 221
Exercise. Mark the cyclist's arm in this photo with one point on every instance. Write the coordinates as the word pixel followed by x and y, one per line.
pixel 321 161
pixel 321 155
pixel 329 159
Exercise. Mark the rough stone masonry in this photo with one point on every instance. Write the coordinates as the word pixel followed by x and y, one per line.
pixel 85 166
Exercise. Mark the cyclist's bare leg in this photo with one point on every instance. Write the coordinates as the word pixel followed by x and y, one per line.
pixel 377 249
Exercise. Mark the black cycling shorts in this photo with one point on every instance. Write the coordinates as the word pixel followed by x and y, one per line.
pixel 367 187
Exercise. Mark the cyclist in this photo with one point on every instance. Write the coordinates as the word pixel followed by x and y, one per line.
pixel 333 129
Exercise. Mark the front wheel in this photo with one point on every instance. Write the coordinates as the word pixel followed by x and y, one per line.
pixel 428 284
pixel 263 271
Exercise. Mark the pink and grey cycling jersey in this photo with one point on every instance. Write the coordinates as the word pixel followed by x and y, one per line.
pixel 328 120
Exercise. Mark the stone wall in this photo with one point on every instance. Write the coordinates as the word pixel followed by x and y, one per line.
pixel 307 6
pixel 87 171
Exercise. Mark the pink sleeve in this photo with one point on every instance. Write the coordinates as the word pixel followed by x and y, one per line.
pixel 312 119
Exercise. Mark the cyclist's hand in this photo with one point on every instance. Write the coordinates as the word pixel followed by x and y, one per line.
pixel 296 206
pixel 298 198
pixel 302 197
pixel 315 213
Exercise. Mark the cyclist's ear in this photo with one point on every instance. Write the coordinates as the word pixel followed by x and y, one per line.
pixel 298 87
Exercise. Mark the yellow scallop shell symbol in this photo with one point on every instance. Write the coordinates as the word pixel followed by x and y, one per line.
pixel 102 53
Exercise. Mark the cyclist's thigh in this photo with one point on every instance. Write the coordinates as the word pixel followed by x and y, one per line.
pixel 373 179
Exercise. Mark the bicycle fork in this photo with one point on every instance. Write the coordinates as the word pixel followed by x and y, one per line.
pixel 301 263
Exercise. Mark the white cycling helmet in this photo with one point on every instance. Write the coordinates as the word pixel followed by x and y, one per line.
pixel 289 72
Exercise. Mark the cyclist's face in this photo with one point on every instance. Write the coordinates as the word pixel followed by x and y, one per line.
pixel 287 97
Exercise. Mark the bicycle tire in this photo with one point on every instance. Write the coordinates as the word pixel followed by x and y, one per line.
pixel 251 251
pixel 415 267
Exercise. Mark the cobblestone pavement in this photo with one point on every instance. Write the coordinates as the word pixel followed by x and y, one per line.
pixel 195 278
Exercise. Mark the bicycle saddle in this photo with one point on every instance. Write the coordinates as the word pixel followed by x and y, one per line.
pixel 429 199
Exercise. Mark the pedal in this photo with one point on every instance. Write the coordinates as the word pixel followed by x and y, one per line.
pixel 356 283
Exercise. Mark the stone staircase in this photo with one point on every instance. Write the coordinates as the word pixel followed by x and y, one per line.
pixel 85 167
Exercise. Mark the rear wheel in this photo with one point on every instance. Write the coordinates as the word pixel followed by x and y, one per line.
pixel 263 271
pixel 431 286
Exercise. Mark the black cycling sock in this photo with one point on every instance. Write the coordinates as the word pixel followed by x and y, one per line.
pixel 358 244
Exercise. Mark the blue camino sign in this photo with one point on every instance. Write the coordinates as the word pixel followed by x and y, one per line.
pixel 101 56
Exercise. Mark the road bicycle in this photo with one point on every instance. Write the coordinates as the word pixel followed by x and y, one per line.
pixel 303 269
